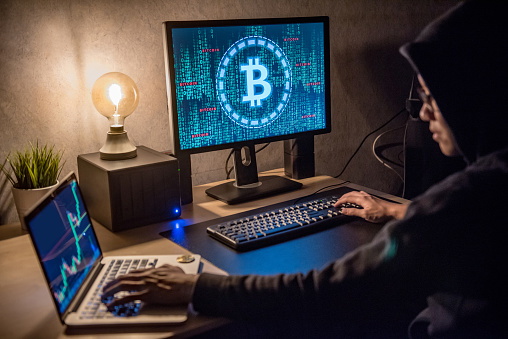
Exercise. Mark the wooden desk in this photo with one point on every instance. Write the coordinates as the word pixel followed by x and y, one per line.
pixel 26 308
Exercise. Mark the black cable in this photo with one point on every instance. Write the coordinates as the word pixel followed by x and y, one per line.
pixel 226 164
pixel 400 157
pixel 412 86
pixel 365 138
pixel 379 158
pixel 405 168
pixel 262 148
pixel 321 189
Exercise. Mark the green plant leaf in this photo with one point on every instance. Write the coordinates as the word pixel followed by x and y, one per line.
pixel 36 167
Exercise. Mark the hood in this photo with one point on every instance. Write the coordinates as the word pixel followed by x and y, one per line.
pixel 463 56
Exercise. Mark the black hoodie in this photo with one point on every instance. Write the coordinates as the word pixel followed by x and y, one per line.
pixel 446 260
pixel 463 56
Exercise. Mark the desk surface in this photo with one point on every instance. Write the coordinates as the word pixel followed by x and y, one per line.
pixel 300 254
pixel 25 303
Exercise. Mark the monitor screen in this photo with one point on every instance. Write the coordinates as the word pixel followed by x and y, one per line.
pixel 241 81
pixel 65 242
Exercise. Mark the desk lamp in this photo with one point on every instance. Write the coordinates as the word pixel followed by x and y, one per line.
pixel 115 96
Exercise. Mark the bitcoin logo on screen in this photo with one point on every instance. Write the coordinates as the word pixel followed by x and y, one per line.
pixel 254 82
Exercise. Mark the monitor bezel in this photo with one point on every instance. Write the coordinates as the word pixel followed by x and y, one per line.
pixel 171 88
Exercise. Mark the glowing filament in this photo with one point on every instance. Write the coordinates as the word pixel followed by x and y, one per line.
pixel 115 95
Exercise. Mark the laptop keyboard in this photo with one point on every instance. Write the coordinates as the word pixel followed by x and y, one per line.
pixel 95 307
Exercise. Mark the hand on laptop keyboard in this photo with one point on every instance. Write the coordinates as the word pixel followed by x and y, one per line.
pixel 166 285
pixel 128 309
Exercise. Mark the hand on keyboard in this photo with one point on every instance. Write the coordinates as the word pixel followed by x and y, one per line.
pixel 370 208
pixel 128 309
pixel 165 285
pixel 341 207
pixel 124 304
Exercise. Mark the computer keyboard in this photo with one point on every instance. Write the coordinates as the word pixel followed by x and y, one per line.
pixel 280 224
pixel 96 306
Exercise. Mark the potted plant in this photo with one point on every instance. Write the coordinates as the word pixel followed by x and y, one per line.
pixel 34 171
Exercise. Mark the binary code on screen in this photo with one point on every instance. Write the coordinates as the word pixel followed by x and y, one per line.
pixel 241 83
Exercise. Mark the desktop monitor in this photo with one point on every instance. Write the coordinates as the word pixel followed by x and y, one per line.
pixel 238 83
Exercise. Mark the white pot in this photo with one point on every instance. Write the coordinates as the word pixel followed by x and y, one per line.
pixel 25 199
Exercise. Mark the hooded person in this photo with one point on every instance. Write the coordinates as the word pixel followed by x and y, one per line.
pixel 461 60
pixel 437 267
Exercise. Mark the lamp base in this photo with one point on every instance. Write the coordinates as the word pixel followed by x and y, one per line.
pixel 118 147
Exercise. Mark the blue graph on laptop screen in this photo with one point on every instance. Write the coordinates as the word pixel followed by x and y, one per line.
pixel 66 243
pixel 242 83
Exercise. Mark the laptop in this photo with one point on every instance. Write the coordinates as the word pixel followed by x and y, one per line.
pixel 75 269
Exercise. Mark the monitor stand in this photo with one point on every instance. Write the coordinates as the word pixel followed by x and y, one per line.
pixel 248 185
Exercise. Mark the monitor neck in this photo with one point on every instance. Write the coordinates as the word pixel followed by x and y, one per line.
pixel 246 171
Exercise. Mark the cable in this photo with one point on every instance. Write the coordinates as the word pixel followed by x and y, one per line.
pixel 263 147
pixel 413 105
pixel 365 138
pixel 321 189
pixel 381 160
pixel 226 164
pixel 401 160
pixel 404 150
pixel 412 86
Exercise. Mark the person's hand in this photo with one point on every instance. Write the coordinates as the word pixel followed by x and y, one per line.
pixel 166 285
pixel 373 209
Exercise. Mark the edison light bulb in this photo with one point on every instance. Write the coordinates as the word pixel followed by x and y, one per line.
pixel 115 96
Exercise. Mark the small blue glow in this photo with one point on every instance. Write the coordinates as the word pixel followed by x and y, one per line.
pixel 177 211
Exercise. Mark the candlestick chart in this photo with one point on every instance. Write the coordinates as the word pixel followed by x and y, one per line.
pixel 66 243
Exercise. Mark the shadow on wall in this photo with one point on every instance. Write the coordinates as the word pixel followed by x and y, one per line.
pixel 388 74
pixel 374 84
pixel 391 76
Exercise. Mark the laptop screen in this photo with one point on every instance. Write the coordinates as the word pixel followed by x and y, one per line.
pixel 64 240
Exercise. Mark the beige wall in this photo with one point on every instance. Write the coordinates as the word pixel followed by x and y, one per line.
pixel 51 52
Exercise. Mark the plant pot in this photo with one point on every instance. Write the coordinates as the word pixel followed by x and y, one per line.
pixel 25 199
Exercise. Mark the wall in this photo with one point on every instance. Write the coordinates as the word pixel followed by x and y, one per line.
pixel 51 52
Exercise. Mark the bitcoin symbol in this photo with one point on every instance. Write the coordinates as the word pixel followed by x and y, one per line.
pixel 241 82
pixel 251 69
